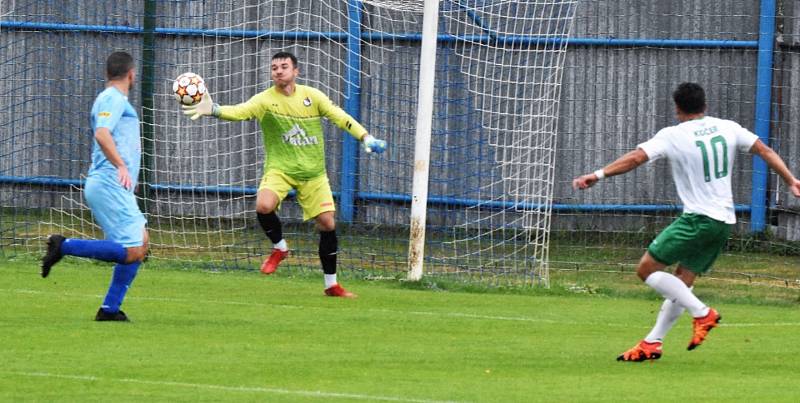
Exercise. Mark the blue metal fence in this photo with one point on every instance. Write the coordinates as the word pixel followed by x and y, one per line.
pixel 766 41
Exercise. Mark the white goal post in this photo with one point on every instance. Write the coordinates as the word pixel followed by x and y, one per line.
pixel 512 54
pixel 422 143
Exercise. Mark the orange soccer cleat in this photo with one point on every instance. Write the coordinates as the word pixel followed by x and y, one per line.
pixel 337 291
pixel 271 264
pixel 702 326
pixel 642 351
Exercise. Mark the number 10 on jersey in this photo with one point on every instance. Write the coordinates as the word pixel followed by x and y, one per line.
pixel 719 149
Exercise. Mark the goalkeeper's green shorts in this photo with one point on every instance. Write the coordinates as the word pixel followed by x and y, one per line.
pixel 692 240
pixel 313 195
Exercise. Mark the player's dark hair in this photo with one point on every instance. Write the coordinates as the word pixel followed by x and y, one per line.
pixel 286 55
pixel 690 98
pixel 118 65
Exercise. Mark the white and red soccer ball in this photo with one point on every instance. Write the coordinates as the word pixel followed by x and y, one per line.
pixel 189 88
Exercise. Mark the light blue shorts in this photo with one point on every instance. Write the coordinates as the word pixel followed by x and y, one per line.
pixel 116 211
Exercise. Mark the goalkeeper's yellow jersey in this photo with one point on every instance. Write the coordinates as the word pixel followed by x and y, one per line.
pixel 292 128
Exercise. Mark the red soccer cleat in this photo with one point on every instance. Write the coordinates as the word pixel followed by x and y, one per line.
pixel 702 326
pixel 271 264
pixel 642 351
pixel 337 291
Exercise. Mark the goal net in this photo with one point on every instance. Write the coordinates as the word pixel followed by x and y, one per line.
pixel 498 74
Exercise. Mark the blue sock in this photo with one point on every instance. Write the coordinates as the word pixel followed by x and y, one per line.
pixel 107 251
pixel 120 282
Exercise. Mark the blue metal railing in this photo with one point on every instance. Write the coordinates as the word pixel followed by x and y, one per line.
pixel 377 36
pixel 381 197
pixel 352 105
pixel 39 180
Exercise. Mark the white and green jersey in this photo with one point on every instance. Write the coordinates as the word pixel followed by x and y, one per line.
pixel 292 128
pixel 701 154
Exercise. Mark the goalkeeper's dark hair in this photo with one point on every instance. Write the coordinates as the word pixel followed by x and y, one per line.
pixel 286 55
pixel 690 98
pixel 118 65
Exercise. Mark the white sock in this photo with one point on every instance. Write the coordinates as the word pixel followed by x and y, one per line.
pixel 674 289
pixel 330 280
pixel 281 245
pixel 667 316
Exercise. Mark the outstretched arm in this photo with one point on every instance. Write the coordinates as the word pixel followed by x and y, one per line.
pixel 251 109
pixel 623 164
pixel 337 116
pixel 346 122
pixel 775 162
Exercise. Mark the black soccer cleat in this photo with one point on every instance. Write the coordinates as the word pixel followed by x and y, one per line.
pixel 103 316
pixel 53 254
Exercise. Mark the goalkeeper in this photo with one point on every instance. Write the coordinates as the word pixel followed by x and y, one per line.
pixel 290 118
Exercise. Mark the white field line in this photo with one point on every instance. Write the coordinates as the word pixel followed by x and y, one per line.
pixel 248 389
pixel 287 306
pixel 391 311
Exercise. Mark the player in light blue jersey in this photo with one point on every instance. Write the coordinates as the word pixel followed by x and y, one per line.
pixel 109 190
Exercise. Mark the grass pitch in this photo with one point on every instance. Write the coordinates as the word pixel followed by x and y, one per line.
pixel 240 336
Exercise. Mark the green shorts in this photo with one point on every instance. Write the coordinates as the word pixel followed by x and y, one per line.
pixel 692 240
pixel 313 195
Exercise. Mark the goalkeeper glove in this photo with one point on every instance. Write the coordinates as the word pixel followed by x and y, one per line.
pixel 205 107
pixel 373 145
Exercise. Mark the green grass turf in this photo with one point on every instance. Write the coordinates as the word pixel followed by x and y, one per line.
pixel 240 336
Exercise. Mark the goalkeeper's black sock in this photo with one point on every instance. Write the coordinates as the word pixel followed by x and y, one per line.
pixel 328 246
pixel 272 226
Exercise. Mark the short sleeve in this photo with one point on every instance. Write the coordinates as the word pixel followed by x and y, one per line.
pixel 108 112
pixel 657 147
pixel 744 138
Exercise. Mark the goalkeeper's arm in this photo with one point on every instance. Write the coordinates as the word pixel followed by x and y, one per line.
pixel 346 122
pixel 252 109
